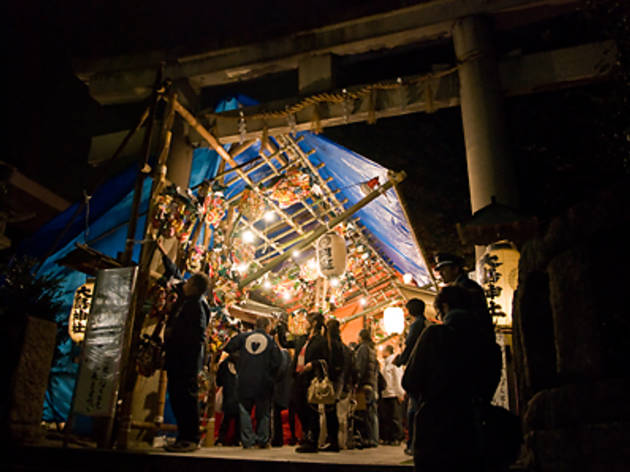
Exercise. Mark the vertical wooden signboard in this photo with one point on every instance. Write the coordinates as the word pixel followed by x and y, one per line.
pixel 99 375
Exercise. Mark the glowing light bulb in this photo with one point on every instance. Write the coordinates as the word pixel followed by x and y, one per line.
pixel 334 282
pixel 248 236
pixel 270 216
pixel 267 284
pixel 407 278
pixel 286 296
pixel 295 253
pixel 242 268
pixel 363 301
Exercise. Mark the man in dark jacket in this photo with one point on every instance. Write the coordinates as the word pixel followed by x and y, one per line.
pixel 259 360
pixel 184 341
pixel 415 307
pixel 453 370
pixel 367 382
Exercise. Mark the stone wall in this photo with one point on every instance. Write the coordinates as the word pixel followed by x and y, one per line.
pixel 572 338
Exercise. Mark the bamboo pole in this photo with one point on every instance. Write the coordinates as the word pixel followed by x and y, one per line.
pixel 394 177
pixel 214 143
pixel 369 311
pixel 137 194
pixel 146 254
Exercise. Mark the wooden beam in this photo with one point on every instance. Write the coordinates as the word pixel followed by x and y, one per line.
pixel 130 78
pixel 38 191
pixel 519 76
pixel 308 239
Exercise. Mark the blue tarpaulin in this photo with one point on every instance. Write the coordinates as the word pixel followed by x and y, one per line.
pixel 110 208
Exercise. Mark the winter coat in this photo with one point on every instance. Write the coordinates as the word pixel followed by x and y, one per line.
pixel 366 366
pixel 453 367
pixel 393 377
pixel 410 341
pixel 185 331
pixel 258 363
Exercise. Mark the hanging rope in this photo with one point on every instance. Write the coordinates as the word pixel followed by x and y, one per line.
pixel 336 97
pixel 86 200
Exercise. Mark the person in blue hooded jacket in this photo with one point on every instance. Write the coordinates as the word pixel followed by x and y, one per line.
pixel 258 363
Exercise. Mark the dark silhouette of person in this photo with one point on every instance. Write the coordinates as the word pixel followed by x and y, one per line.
pixel 367 383
pixel 184 341
pixel 310 350
pixel 258 363
pixel 281 395
pixel 336 371
pixel 227 379
pixel 415 307
pixel 452 369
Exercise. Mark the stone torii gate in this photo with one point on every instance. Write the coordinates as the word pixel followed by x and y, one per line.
pixel 477 84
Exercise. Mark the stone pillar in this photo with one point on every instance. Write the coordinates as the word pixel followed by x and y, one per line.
pixel 315 74
pixel 490 166
pixel 30 380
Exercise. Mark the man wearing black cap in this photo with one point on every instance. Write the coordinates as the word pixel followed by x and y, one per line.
pixel 451 270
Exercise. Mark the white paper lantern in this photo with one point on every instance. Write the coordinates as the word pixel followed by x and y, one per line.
pixel 331 255
pixel 77 324
pixel 508 257
pixel 393 320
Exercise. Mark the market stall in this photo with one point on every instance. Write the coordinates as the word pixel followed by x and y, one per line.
pixel 294 220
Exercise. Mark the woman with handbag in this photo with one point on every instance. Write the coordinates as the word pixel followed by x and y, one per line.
pixel 310 350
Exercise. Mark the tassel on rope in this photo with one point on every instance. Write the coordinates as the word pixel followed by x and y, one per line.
pixel 428 96
pixel 264 137
pixel 316 125
pixel 371 119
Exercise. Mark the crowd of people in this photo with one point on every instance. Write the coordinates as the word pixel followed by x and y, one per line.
pixel 443 378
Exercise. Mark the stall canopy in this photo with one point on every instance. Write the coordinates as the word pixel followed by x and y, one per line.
pixel 338 179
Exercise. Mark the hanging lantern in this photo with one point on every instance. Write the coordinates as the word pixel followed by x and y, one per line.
pixel 393 320
pixel 498 274
pixel 331 255
pixel 77 324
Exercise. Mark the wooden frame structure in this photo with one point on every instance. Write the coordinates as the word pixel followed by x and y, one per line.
pixel 308 219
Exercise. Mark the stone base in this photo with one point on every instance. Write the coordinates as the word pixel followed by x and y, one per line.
pixel 30 380
pixel 579 427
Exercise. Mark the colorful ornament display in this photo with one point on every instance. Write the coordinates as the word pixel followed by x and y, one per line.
pixel 214 208
pixel 297 323
pixel 175 215
pixel 292 187
pixel 221 329
pixel 194 261
pixel 251 205
pixel 309 270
